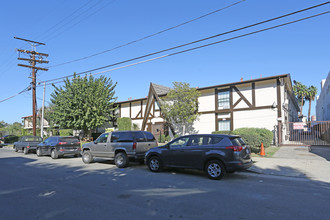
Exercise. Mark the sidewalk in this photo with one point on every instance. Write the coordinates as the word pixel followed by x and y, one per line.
pixel 302 162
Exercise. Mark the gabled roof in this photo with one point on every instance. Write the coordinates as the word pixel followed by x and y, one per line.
pixel 161 90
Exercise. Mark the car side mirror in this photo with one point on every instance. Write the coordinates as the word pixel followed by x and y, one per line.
pixel 95 142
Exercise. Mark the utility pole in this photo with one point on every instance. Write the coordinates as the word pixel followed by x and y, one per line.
pixel 32 60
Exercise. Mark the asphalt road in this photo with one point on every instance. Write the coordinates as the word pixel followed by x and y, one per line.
pixel 34 187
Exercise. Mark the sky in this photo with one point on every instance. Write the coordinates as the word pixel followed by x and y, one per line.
pixel 76 29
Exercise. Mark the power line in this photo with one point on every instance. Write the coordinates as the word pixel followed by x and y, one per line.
pixel 148 36
pixel 24 90
pixel 193 42
pixel 202 46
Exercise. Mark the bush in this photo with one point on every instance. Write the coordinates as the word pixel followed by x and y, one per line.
pixel 65 132
pixel 255 136
pixel 124 124
pixel 162 138
pixel 252 136
pixel 10 139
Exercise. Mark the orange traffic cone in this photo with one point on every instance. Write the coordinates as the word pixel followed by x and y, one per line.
pixel 262 150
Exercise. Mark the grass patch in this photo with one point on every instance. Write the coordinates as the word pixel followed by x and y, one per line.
pixel 269 151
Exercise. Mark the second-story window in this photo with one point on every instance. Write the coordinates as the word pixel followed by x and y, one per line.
pixel 223 99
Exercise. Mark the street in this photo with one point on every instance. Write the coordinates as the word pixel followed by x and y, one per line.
pixel 34 187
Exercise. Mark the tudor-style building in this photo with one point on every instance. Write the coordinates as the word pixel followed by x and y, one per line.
pixel 266 102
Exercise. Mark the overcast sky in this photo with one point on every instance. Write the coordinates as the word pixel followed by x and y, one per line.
pixel 76 29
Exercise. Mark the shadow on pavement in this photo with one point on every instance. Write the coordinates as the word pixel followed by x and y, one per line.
pixel 322 151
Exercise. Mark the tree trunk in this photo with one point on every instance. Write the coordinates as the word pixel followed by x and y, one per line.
pixel 301 105
pixel 309 110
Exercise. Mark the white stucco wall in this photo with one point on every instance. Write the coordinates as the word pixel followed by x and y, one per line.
pixel 263 118
pixel 246 91
pixel 124 111
pixel 205 124
pixel 135 109
pixel 266 93
pixel 206 101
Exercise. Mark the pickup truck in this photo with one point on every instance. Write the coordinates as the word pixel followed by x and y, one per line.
pixel 120 146
pixel 27 144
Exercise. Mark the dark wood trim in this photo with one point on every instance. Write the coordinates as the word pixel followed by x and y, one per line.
pixel 141 108
pixel 130 110
pixel 216 99
pixel 236 103
pixel 242 96
pixel 216 122
pixel 279 112
pixel 237 109
pixel 138 114
pixel 254 94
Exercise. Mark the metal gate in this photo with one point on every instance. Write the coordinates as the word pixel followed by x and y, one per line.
pixel 306 133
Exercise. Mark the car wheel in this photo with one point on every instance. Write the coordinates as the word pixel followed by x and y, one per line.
pixel 38 152
pixel 155 164
pixel 15 149
pixel 121 160
pixel 54 154
pixel 87 157
pixel 215 169
pixel 25 150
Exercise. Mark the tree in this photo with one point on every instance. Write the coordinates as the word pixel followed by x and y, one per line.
pixel 300 92
pixel 180 106
pixel 83 103
pixel 311 93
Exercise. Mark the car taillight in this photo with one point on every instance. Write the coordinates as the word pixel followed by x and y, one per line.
pixel 61 149
pixel 27 146
pixel 78 143
pixel 134 146
pixel 235 148
pixel 62 143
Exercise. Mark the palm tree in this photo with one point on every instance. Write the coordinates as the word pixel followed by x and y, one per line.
pixel 310 96
pixel 300 91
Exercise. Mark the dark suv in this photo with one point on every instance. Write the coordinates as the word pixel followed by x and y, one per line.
pixel 57 146
pixel 216 154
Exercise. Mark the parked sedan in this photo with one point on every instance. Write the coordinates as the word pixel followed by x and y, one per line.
pixel 57 146
pixel 216 154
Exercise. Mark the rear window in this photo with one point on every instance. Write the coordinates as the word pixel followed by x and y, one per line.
pixel 122 137
pixel 139 137
pixel 237 141
pixel 69 139
pixel 32 139
pixel 150 137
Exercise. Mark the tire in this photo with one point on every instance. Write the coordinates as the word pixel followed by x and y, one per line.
pixel 121 160
pixel 15 149
pixel 54 154
pixel 25 150
pixel 87 157
pixel 38 152
pixel 155 164
pixel 215 169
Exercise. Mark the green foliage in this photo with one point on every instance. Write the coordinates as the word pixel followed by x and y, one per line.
pixel 135 127
pixel 162 138
pixel 11 139
pixel 252 136
pixel 300 92
pixel 66 132
pixel 83 103
pixel 311 93
pixel 124 124
pixel 180 106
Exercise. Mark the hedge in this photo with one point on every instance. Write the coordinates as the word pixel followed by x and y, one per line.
pixel 66 132
pixel 252 136
pixel 124 124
